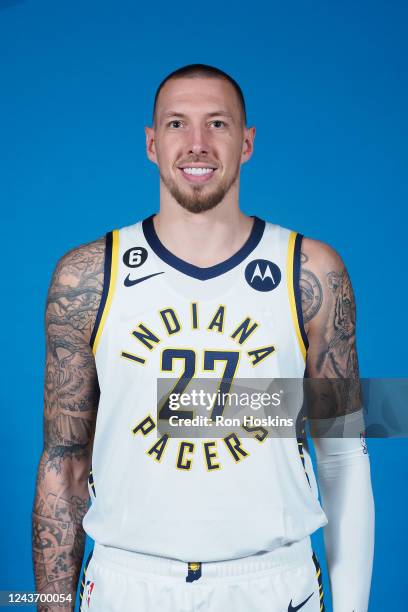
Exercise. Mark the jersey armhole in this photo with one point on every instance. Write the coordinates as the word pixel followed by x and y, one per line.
pixel 109 283
pixel 293 276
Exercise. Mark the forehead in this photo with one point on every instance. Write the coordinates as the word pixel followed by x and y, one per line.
pixel 198 94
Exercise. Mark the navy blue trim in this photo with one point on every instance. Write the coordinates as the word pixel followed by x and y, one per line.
pixel 91 481
pixel 195 271
pixel 106 283
pixel 296 288
pixel 319 581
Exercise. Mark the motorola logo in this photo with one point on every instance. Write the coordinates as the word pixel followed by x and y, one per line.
pixel 262 275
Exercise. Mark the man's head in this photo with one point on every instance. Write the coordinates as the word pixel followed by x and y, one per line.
pixel 199 137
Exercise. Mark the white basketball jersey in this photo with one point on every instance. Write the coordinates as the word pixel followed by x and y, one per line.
pixel 196 499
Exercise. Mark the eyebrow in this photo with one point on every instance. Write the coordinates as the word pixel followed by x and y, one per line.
pixel 222 113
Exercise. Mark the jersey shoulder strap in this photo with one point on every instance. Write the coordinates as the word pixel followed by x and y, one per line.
pixel 109 284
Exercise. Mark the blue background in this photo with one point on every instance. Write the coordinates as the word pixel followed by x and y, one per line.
pixel 326 87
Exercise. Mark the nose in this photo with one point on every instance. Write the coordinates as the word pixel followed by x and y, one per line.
pixel 198 144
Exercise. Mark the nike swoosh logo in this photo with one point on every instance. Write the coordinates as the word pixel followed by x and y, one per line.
pixel 129 283
pixel 294 608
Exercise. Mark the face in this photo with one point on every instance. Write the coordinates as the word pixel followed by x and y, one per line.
pixel 199 140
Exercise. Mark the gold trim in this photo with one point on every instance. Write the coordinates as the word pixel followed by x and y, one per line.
pixel 291 292
pixel 112 286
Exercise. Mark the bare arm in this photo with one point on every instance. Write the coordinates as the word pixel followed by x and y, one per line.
pixel 71 397
pixel 329 312
pixel 343 465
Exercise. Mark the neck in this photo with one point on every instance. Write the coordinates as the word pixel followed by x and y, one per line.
pixel 206 238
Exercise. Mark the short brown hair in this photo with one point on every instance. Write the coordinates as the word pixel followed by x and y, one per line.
pixel 197 70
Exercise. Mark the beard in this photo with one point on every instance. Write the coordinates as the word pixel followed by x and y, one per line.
pixel 199 198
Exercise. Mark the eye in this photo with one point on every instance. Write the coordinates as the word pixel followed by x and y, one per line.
pixel 217 123
pixel 176 123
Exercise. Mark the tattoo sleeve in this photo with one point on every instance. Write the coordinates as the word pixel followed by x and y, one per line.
pixel 310 291
pixel 70 404
pixel 329 311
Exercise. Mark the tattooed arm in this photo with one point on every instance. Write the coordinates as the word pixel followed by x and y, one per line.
pixel 343 466
pixel 330 321
pixel 70 405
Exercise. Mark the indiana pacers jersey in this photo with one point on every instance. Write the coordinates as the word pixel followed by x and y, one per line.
pixel 196 499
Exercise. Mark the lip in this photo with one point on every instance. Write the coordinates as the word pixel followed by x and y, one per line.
pixel 191 178
pixel 192 165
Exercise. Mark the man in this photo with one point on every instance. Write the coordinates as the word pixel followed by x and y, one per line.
pixel 190 524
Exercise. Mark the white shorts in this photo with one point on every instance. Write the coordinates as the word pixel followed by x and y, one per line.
pixel 284 580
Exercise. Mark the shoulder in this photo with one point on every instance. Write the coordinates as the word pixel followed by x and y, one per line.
pixel 322 264
pixel 76 286
pixel 80 261
pixel 320 256
pixel 324 282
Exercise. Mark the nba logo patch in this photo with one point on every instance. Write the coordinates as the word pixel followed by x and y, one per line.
pixel 262 275
pixel 89 588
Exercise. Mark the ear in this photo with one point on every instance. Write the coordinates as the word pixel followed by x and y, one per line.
pixel 150 144
pixel 248 144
